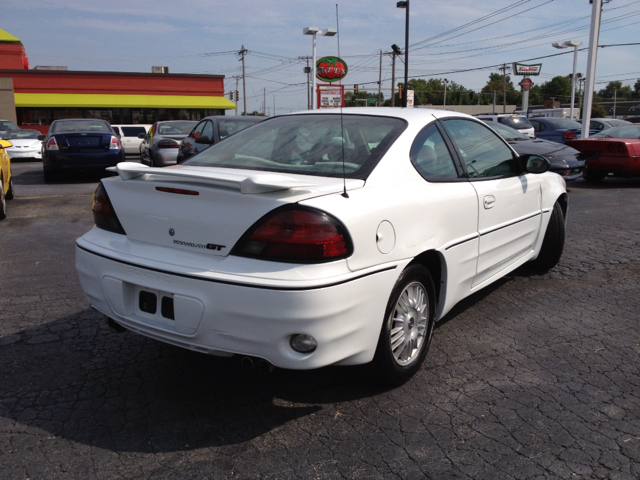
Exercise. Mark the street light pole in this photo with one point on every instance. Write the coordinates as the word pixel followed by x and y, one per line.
pixel 445 82
pixel 591 67
pixel 327 32
pixel 405 5
pixel 575 44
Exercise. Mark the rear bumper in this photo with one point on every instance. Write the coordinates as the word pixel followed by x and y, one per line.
pixel 218 316
pixel 618 165
pixel 64 160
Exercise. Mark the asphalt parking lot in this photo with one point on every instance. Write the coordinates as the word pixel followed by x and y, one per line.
pixel 537 376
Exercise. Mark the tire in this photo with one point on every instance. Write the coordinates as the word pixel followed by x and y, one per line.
pixel 49 175
pixel 407 328
pixel 3 201
pixel 553 242
pixel 594 175
pixel 9 195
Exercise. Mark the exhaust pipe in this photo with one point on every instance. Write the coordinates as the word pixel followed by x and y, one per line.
pixel 265 367
pixel 247 364
pixel 115 325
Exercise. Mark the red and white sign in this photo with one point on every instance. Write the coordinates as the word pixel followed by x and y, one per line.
pixel 330 96
pixel 522 69
pixel 526 83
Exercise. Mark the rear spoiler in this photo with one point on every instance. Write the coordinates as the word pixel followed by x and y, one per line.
pixel 258 183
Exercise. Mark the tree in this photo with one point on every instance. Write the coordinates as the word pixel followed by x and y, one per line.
pixel 636 88
pixel 361 98
pixel 616 89
pixel 558 87
pixel 598 111
pixel 495 84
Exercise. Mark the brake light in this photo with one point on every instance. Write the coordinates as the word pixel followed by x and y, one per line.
pixel 115 143
pixel 617 147
pixel 103 214
pixel 166 143
pixel 298 235
pixel 52 144
pixel 569 135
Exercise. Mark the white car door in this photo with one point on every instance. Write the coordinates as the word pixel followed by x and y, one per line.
pixel 509 202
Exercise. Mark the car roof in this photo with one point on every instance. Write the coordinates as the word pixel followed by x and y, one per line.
pixel 411 114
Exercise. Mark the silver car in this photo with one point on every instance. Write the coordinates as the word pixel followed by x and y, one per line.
pixel 160 145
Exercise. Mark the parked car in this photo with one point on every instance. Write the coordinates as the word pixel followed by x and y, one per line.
pixel 129 136
pixel 7 125
pixel 73 144
pixel 616 151
pixel 600 124
pixel 633 119
pixel 320 238
pixel 6 181
pixel 25 143
pixel 160 145
pixel 211 130
pixel 517 122
pixel 557 129
pixel 564 160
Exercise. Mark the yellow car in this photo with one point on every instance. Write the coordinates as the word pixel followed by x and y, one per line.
pixel 6 182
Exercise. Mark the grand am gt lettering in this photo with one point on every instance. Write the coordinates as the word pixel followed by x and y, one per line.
pixel 309 278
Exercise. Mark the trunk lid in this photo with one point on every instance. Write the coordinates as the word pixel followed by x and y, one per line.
pixel 83 142
pixel 204 209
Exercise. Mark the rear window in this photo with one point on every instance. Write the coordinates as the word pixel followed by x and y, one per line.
pixel 323 145
pixel 518 123
pixel 132 131
pixel 7 125
pixel 175 128
pixel 70 126
pixel 624 131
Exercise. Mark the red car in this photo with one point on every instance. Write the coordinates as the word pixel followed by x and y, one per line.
pixel 616 151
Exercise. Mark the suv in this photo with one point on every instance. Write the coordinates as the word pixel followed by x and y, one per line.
pixel 512 120
pixel 129 136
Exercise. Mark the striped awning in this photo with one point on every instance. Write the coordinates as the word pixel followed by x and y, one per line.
pixel 73 100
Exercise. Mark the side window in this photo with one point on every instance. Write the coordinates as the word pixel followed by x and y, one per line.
pixel 596 125
pixel 208 130
pixel 197 131
pixel 431 158
pixel 537 126
pixel 482 151
pixel 152 130
pixel 117 130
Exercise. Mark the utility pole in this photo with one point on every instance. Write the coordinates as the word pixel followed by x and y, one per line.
pixel 504 69
pixel 307 70
pixel 380 81
pixel 264 102
pixel 594 34
pixel 242 53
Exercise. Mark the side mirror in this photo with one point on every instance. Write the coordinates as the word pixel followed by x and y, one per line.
pixel 204 139
pixel 41 137
pixel 535 163
pixel 142 135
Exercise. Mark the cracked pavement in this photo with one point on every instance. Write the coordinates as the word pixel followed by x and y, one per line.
pixel 536 376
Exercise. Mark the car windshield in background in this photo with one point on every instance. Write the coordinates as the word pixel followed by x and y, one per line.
pixel 175 128
pixel 623 131
pixel 7 125
pixel 562 123
pixel 21 135
pixel 509 133
pixel 231 126
pixel 322 145
pixel 515 122
pixel 69 126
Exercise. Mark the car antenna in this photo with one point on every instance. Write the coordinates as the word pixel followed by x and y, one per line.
pixel 344 175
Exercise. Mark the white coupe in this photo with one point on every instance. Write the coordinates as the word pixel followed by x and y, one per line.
pixel 320 238
pixel 26 143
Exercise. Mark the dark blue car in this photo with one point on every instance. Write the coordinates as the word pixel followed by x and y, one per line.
pixel 82 144
pixel 556 129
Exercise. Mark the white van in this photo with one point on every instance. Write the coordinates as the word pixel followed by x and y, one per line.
pixel 129 137
pixel 518 122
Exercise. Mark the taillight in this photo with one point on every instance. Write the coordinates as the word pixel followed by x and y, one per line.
pixel 103 213
pixel 166 143
pixel 115 143
pixel 617 147
pixel 52 144
pixel 297 235
pixel 569 135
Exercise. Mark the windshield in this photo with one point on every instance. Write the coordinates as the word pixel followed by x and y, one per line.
pixel 508 133
pixel 21 135
pixel 624 131
pixel 515 122
pixel 175 128
pixel 564 123
pixel 7 125
pixel 69 126
pixel 329 145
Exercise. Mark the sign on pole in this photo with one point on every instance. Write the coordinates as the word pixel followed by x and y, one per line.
pixel 522 69
pixel 409 98
pixel 330 96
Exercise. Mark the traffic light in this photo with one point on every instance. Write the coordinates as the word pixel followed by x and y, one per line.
pixel 471 94
pixel 355 89
pixel 237 97
pixel 400 91
pixel 231 95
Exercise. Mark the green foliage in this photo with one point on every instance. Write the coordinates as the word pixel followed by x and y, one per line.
pixel 558 87
pixel 636 88
pixel 361 97
pixel 616 89
pixel 598 111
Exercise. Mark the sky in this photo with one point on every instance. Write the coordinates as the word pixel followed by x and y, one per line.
pixel 460 40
